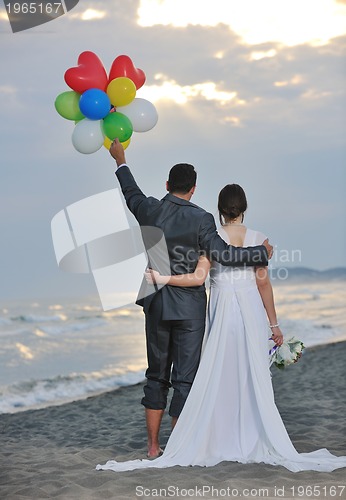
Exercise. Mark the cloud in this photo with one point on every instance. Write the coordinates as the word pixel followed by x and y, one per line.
pixel 7 90
pixel 257 55
pixel 9 98
pixel 290 22
pixel 219 108
pixel 89 15
pixel 181 94
pixel 271 87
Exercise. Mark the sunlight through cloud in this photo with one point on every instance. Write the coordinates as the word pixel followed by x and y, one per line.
pixel 89 15
pixel 172 91
pixel 295 80
pixel 313 94
pixel 233 120
pixel 219 55
pixel 256 56
pixel 291 22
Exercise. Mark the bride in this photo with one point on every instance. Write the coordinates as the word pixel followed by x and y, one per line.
pixel 230 413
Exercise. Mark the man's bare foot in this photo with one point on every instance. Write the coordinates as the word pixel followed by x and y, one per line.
pixel 154 453
pixel 153 420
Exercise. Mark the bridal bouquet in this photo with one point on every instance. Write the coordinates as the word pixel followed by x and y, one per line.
pixel 286 354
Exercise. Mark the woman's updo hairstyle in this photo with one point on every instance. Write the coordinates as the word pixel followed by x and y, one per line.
pixel 232 202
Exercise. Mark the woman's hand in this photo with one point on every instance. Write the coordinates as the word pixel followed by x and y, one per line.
pixel 197 278
pixel 154 277
pixel 277 336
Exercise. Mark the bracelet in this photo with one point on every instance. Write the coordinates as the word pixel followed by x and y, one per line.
pixel 274 326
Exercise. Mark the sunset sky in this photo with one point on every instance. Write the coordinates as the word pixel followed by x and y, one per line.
pixel 249 92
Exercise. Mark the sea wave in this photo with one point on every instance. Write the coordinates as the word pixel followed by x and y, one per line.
pixel 35 394
pixel 5 321
pixel 43 341
pixel 311 334
pixel 73 327
pixel 32 318
pixel 13 332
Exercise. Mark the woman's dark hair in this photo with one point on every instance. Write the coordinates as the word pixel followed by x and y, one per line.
pixel 232 202
pixel 182 177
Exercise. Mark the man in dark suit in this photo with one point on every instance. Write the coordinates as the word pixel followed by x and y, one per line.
pixel 175 316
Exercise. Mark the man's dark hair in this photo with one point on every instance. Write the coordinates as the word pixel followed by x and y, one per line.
pixel 182 177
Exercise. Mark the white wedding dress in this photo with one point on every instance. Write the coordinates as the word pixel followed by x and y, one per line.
pixel 230 413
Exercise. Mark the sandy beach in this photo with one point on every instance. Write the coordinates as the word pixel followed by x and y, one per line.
pixel 52 452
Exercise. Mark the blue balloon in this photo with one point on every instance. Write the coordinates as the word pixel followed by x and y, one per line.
pixel 94 104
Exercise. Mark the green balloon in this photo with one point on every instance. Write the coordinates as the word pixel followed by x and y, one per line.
pixel 117 125
pixel 67 105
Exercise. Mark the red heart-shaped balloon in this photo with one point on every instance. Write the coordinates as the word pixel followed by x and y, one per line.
pixel 123 66
pixel 89 74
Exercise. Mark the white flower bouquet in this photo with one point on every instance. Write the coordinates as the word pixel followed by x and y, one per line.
pixel 286 354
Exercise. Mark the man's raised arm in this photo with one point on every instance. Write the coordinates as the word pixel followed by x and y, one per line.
pixel 132 193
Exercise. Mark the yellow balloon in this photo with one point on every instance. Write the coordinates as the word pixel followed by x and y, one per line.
pixel 107 143
pixel 126 143
pixel 121 91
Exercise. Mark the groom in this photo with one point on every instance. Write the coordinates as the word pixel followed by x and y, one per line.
pixel 175 316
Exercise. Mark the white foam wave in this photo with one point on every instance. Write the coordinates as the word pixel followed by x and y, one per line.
pixel 309 333
pixel 59 390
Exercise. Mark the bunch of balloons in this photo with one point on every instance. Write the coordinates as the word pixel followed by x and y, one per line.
pixel 104 107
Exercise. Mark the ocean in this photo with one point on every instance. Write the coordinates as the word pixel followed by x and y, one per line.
pixel 55 351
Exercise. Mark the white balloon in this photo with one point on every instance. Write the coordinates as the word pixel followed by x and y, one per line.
pixel 87 136
pixel 142 114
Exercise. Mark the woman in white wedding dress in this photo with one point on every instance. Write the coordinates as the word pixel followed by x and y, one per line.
pixel 230 413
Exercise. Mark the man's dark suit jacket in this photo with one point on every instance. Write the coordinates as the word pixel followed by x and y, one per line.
pixel 189 232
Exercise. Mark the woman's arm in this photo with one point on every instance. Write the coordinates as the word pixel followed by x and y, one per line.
pixel 266 291
pixel 196 278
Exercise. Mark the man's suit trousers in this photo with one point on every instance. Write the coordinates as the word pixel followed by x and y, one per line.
pixel 173 350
